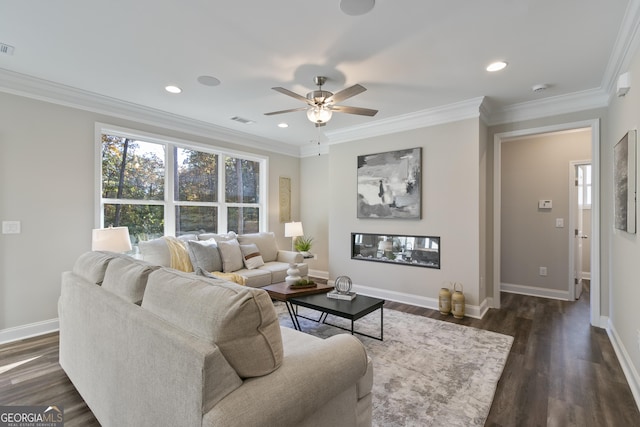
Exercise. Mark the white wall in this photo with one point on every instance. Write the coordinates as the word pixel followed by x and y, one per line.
pixel 315 199
pixel 450 209
pixel 624 273
pixel 47 183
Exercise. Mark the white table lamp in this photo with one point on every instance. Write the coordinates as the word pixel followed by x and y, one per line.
pixel 293 230
pixel 113 239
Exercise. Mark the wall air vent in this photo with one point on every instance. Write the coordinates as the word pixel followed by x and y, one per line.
pixel 6 49
pixel 242 120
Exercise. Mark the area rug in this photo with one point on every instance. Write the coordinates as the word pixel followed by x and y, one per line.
pixel 426 372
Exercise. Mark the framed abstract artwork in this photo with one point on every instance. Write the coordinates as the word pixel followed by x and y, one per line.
pixel 624 170
pixel 389 184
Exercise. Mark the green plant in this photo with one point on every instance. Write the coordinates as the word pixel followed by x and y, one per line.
pixel 303 244
pixel 304 282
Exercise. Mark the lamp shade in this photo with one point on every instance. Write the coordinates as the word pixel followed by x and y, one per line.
pixel 293 229
pixel 113 239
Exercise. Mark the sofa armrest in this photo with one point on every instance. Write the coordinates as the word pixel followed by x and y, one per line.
pixel 289 257
pixel 307 380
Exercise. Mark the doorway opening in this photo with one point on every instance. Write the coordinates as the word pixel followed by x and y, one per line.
pixel 594 232
pixel 580 186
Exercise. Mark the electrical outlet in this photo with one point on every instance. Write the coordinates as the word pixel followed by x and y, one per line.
pixel 543 271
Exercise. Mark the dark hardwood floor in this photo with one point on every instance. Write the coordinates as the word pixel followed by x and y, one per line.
pixel 560 372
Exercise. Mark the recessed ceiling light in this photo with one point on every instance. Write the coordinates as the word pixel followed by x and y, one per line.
pixel 208 81
pixel 283 125
pixel 497 66
pixel 172 89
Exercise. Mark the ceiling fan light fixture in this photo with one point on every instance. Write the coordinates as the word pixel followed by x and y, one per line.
pixel 319 114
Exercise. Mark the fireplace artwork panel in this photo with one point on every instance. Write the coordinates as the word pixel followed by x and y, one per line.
pixel 418 251
pixel 389 184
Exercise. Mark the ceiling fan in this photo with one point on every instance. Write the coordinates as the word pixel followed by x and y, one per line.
pixel 321 103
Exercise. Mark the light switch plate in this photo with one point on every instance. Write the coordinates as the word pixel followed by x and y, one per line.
pixel 10 227
pixel 559 222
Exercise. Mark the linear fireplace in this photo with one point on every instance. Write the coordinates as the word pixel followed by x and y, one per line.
pixel 418 251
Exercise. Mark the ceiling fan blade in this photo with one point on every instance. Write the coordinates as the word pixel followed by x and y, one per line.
pixel 286 111
pixel 292 94
pixel 354 110
pixel 345 94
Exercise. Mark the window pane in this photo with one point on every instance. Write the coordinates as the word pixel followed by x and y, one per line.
pixel 243 220
pixel 132 169
pixel 197 176
pixel 242 181
pixel 145 222
pixel 196 219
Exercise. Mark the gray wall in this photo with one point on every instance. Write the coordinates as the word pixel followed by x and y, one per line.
pixel 451 162
pixel 47 183
pixel 624 316
pixel 535 168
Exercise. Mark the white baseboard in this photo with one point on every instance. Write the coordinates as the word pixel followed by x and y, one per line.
pixel 534 291
pixel 28 331
pixel 475 311
pixel 629 370
pixel 319 273
pixel 586 275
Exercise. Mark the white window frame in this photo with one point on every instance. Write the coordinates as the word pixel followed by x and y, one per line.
pixel 168 202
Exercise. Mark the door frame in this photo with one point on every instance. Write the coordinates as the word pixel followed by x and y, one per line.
pixel 498 140
pixel 574 210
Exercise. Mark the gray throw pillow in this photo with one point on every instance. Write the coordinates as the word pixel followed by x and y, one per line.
pixel 205 254
pixel 231 256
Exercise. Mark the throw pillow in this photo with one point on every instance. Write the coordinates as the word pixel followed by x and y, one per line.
pixel 205 254
pixel 231 256
pixel 251 256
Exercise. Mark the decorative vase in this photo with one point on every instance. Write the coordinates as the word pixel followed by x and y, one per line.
pixel 457 300
pixel 444 301
pixel 293 274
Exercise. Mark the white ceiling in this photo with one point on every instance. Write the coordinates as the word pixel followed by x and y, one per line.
pixel 411 55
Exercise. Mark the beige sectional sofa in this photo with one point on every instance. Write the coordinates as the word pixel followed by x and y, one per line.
pixel 152 346
pixel 254 257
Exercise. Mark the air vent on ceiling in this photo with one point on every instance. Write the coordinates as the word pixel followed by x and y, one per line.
pixel 242 120
pixel 6 49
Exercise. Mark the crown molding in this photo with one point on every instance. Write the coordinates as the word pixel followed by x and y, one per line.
pixel 552 106
pixel 55 93
pixel 626 44
pixel 419 119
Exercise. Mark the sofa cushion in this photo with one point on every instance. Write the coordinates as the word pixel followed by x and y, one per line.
pixel 218 237
pixel 205 255
pixel 155 251
pixel 127 278
pixel 241 321
pixel 265 241
pixel 231 255
pixel 278 270
pixel 251 256
pixel 92 265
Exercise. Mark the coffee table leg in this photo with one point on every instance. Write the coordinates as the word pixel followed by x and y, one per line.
pixel 292 314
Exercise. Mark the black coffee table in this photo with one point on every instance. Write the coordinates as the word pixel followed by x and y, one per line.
pixel 353 310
